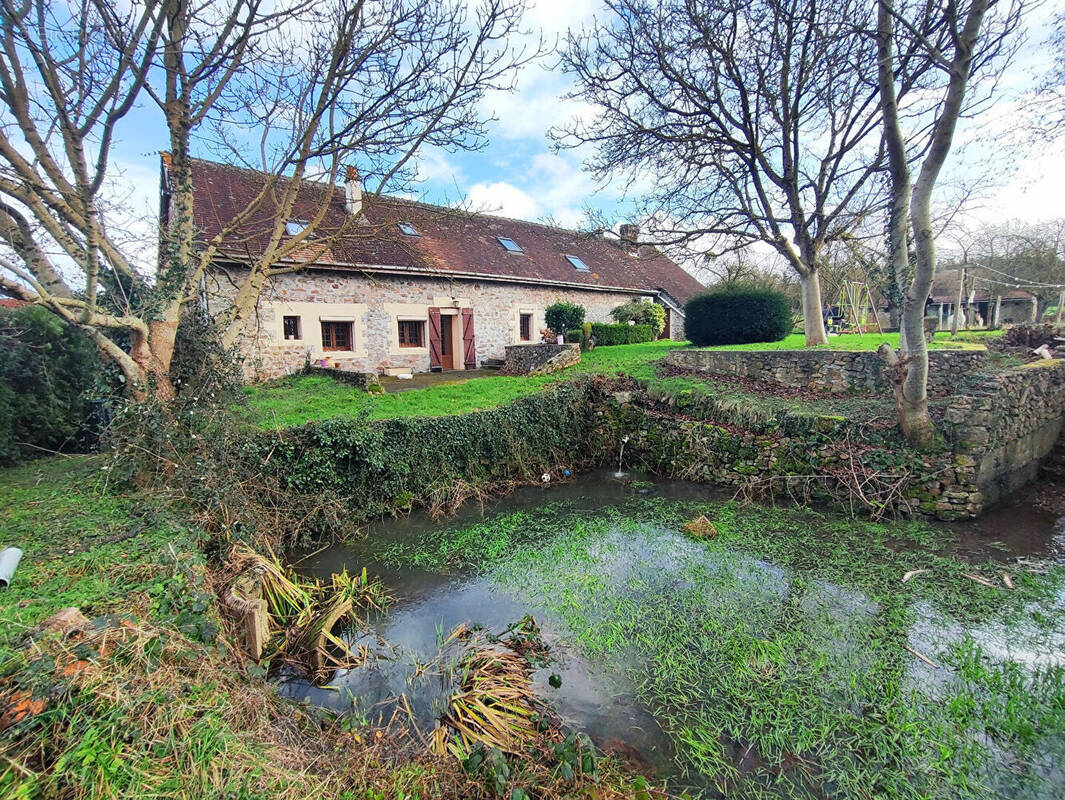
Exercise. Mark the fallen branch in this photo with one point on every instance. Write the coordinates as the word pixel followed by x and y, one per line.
pixel 980 579
pixel 913 573
pixel 923 658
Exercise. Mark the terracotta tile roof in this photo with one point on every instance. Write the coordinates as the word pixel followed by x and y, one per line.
pixel 11 302
pixel 450 241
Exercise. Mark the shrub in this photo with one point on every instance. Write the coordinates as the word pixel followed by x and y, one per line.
pixel 575 336
pixel 47 369
pixel 642 312
pixel 561 316
pixel 606 335
pixel 737 314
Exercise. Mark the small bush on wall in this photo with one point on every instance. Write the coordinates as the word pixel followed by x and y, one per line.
pixel 606 335
pixel 561 316
pixel 737 314
pixel 642 312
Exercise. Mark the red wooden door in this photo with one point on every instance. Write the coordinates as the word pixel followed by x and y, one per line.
pixel 435 356
pixel 447 343
pixel 469 347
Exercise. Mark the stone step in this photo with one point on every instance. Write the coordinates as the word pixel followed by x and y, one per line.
pixel 492 363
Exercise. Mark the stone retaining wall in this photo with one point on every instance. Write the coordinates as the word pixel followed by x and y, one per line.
pixel 1006 423
pixel 835 371
pixel 369 381
pixel 540 359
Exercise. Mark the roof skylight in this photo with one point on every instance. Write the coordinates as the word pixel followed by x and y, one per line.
pixel 294 227
pixel 578 264
pixel 509 245
pixel 407 229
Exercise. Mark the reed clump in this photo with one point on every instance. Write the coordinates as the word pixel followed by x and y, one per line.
pixel 303 614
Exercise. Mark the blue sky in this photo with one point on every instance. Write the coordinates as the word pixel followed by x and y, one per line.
pixel 518 175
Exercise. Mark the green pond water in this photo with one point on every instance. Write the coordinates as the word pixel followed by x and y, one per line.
pixel 784 657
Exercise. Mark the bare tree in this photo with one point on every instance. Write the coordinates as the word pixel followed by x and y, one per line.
pixel 311 90
pixel 958 39
pixel 752 120
pixel 1021 255
pixel 1051 86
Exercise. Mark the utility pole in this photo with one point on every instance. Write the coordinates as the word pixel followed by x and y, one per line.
pixel 1061 302
pixel 998 311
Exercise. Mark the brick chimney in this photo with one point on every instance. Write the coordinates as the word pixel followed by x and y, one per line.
pixel 630 235
pixel 352 191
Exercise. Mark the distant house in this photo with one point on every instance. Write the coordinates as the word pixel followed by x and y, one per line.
pixel 430 288
pixel 978 302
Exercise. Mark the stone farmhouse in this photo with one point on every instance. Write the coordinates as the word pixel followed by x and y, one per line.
pixel 389 285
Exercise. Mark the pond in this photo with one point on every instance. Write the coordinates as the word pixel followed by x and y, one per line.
pixel 780 654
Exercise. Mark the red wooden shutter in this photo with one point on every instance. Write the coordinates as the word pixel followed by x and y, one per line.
pixel 469 348
pixel 435 361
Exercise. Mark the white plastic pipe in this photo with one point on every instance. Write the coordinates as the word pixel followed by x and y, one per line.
pixel 9 558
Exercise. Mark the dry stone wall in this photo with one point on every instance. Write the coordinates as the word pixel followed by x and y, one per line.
pixel 540 359
pixel 999 427
pixel 1004 424
pixel 826 370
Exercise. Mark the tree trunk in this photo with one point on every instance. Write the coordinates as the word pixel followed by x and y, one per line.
pixel 957 304
pixel 813 323
pixel 163 338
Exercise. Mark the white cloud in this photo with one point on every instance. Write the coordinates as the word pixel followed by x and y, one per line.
pixel 434 165
pixel 504 199
pixel 550 186
pixel 555 17
pixel 535 106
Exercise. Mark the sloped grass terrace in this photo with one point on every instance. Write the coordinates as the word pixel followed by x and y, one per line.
pixel 783 656
pixel 300 398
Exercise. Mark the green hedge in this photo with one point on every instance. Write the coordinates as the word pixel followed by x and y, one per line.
pixel 388 464
pixel 562 316
pixel 737 315
pixel 642 312
pixel 606 335
pixel 47 369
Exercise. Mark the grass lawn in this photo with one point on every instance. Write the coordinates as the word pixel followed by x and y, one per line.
pixel 301 398
pixel 969 340
pixel 85 546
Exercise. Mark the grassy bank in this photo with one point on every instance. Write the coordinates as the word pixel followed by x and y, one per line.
pixel 300 398
pixel 785 656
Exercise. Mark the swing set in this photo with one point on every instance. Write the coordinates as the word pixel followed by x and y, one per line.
pixel 854 303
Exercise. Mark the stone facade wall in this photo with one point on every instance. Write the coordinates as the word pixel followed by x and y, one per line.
pixel 375 304
pixel 676 324
pixel 540 359
pixel 1005 424
pixel 826 370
